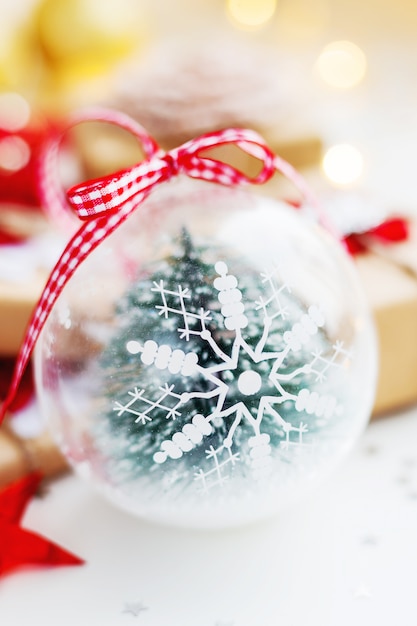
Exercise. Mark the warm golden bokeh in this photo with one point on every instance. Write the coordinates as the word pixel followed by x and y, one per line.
pixel 251 13
pixel 343 164
pixel 341 64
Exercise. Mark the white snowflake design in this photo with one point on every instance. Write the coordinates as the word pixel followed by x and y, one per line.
pixel 185 364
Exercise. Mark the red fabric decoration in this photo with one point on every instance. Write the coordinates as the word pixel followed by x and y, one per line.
pixel 354 244
pixel 20 547
pixel 20 186
pixel 9 238
pixel 392 230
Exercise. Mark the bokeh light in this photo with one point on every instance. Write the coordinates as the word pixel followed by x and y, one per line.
pixel 343 164
pixel 341 64
pixel 251 13
pixel 302 21
pixel 14 112
pixel 14 154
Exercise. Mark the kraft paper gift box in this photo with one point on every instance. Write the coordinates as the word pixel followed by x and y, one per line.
pixel 389 276
pixel 16 303
pixel 24 270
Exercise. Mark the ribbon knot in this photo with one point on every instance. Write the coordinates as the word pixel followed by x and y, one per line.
pixel 174 165
pixel 108 194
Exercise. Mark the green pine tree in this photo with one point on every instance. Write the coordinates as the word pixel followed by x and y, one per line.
pixel 133 443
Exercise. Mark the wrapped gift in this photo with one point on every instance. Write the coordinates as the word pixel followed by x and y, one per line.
pixel 29 250
pixel 389 274
pixel 16 303
pixel 383 244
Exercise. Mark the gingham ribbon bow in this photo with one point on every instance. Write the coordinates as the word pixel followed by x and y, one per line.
pixel 103 204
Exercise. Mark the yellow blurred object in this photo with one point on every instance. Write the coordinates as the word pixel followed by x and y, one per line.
pixel 85 36
pixel 63 53
pixel 251 13
pixel 64 50
pixel 300 22
pixel 15 58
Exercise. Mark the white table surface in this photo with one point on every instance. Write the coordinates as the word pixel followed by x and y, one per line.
pixel 346 555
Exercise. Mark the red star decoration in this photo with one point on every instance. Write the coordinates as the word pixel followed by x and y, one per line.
pixel 20 547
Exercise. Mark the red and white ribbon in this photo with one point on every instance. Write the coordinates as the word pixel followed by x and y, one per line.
pixel 103 204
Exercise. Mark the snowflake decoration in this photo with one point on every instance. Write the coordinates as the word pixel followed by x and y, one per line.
pixel 178 362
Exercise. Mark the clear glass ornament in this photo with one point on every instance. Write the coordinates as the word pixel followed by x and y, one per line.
pixel 211 360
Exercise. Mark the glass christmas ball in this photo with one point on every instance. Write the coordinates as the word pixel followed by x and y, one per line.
pixel 211 360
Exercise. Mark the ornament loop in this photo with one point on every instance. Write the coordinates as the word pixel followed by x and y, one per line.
pixel 53 197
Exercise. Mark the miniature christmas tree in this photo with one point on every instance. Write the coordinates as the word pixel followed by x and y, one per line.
pixel 211 367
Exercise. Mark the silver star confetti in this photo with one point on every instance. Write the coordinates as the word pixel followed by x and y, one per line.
pixel 403 479
pixel 409 462
pixel 369 540
pixel 371 450
pixel 134 608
